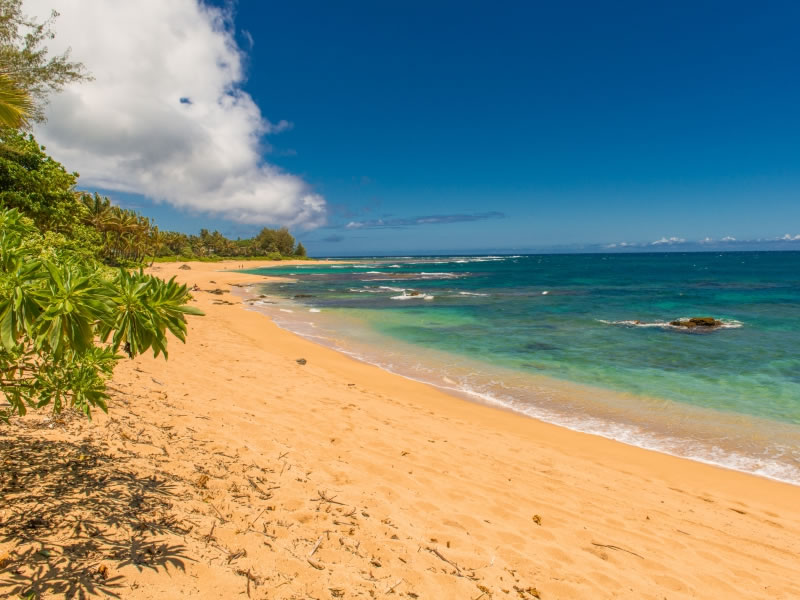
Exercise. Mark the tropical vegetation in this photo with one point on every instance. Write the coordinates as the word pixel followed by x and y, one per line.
pixel 63 319
pixel 74 299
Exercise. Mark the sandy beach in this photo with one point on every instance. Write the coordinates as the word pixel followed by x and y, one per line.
pixel 236 469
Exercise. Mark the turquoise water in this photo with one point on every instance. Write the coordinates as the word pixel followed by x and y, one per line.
pixel 498 328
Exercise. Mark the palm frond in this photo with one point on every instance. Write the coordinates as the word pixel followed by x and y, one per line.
pixel 16 105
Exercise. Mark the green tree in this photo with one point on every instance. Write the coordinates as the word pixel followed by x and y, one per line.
pixel 284 241
pixel 63 320
pixel 300 250
pixel 39 186
pixel 24 57
pixel 265 241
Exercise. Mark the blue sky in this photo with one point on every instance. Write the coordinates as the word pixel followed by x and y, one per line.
pixel 443 126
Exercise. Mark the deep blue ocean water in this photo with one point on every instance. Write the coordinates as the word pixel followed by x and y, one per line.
pixel 583 341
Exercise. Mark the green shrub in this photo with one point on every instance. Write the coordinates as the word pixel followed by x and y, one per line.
pixel 64 318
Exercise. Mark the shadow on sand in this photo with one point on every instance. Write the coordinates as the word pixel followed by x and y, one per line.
pixel 71 515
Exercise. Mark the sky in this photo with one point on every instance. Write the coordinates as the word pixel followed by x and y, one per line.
pixel 425 127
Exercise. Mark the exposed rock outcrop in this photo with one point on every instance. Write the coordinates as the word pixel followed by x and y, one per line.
pixel 704 322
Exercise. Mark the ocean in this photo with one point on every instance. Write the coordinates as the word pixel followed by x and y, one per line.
pixel 581 340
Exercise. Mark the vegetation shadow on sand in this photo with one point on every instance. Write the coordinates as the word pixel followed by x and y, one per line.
pixel 72 516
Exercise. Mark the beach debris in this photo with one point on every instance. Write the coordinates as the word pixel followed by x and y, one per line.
pixel 101 573
pixel 459 571
pixel 317 565
pixel 241 553
pixel 185 267
pixel 612 547
pixel 324 497
pixel 696 322
pixel 217 291
pixel 301 361
pixel 537 519
pixel 526 592
pixel 314 549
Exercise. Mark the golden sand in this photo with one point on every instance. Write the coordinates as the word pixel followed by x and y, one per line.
pixel 233 471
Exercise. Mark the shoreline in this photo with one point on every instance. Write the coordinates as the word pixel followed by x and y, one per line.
pixel 253 473
pixel 611 426
pixel 254 279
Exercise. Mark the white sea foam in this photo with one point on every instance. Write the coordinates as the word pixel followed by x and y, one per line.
pixel 471 294
pixel 285 310
pixel 725 324
pixel 391 289
pixel 314 310
pixel 439 275
pixel 417 296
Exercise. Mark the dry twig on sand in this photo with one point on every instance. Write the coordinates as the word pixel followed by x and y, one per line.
pixel 612 547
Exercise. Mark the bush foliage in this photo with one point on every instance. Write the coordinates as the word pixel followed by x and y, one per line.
pixel 63 320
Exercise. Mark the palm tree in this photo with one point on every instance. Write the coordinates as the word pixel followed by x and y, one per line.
pixel 99 210
pixel 157 239
pixel 16 105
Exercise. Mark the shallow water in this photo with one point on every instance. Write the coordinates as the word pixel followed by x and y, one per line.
pixel 498 328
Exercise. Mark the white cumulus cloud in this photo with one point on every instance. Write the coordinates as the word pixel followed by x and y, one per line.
pixel 165 115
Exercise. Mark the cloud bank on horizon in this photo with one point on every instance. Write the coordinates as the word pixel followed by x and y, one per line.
pixel 165 115
pixel 707 241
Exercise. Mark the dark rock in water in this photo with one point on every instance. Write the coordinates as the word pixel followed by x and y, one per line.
pixel 703 322
pixel 301 361
pixel 185 267
pixel 303 296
